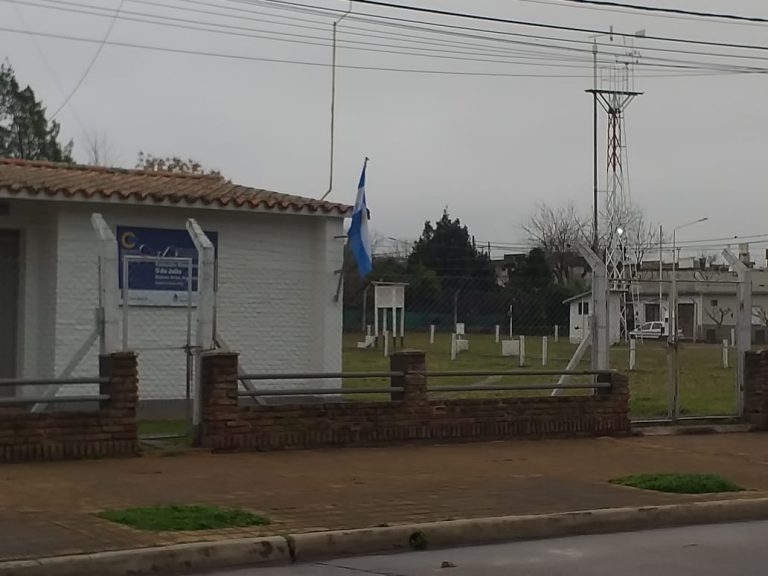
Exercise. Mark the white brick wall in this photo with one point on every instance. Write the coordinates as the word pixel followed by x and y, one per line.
pixel 276 282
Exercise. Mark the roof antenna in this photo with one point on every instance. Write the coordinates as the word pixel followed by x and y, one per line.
pixel 333 99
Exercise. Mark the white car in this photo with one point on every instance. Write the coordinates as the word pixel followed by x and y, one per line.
pixel 652 331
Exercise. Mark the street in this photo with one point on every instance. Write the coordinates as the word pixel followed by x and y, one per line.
pixel 696 551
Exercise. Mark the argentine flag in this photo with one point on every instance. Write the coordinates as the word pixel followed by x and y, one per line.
pixel 359 241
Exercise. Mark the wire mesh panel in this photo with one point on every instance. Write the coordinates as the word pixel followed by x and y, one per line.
pixel 157 324
pixel 706 355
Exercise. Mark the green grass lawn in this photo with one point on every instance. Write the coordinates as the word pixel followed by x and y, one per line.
pixel 705 387
pixel 179 517
pixel 680 483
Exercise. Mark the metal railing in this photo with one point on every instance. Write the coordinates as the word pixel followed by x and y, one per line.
pixel 427 373
pixel 318 376
pixel 22 400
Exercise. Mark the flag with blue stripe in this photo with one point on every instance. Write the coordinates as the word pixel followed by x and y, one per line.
pixel 359 240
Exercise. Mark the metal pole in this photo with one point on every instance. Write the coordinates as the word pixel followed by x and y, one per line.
pixel 125 303
pixel 594 150
pixel 365 308
pixel 333 101
pixel 661 268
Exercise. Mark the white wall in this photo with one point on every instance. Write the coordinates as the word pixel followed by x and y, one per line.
pixel 276 282
pixel 579 324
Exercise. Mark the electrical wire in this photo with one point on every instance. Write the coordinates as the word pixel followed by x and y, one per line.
pixel 684 65
pixel 594 31
pixel 91 63
pixel 453 30
pixel 679 11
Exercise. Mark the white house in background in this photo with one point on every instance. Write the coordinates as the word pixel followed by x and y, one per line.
pixel 707 304
pixel 278 260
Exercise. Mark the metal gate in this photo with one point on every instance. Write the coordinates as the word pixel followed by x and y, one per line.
pixel 157 325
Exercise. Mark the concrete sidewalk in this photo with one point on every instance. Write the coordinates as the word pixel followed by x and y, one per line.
pixel 49 509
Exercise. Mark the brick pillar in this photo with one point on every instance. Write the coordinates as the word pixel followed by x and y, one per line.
pixel 756 389
pixel 123 388
pixel 219 398
pixel 413 363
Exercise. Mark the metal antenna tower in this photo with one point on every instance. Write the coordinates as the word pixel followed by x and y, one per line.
pixel 614 93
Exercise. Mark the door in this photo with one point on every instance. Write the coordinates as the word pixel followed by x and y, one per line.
pixel 686 315
pixel 9 305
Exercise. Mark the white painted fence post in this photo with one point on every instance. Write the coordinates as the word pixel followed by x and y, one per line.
pixel 632 353
pixel 453 346
pixel 206 306
pixel 431 333
pixel 725 353
pixel 386 343
pixel 557 333
pixel 109 297
pixel 522 351
pixel 544 350
pixel 498 331
pixel 733 337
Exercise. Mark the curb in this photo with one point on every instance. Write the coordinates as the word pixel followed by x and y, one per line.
pixel 317 545
pixel 159 560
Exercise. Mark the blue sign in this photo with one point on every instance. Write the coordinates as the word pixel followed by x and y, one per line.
pixel 158 264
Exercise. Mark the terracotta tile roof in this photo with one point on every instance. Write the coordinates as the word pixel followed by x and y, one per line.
pixel 27 178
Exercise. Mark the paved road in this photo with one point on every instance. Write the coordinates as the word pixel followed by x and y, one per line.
pixel 697 551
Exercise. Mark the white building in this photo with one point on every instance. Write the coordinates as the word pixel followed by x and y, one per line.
pixel 707 305
pixel 278 262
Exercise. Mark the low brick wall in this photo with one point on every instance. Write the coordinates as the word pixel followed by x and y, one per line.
pixel 756 389
pixel 58 435
pixel 410 416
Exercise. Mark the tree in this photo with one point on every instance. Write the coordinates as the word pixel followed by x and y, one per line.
pixel 537 297
pixel 447 249
pixel 556 229
pixel 173 164
pixel 25 132
pixel 718 314
pixel 100 152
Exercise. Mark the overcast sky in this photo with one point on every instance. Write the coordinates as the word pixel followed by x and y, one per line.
pixel 486 147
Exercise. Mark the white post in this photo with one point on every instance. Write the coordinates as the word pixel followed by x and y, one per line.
pixel 743 323
pixel 431 333
pixel 522 351
pixel 510 326
pixel 206 305
pixel 453 346
pixel 725 353
pixel 557 333
pixel 632 353
pixel 376 321
pixel 601 322
pixel 733 337
pixel 498 331
pixel 544 350
pixel 368 330
pixel 383 320
pixel 402 327
pixel 109 297
pixel 394 326
pixel 386 343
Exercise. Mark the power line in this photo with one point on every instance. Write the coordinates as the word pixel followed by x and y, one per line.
pixel 180 23
pixel 592 31
pixel 183 23
pixel 92 62
pixel 419 39
pixel 462 31
pixel 302 62
pixel 680 11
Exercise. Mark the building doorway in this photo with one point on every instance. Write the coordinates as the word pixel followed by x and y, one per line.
pixel 10 253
